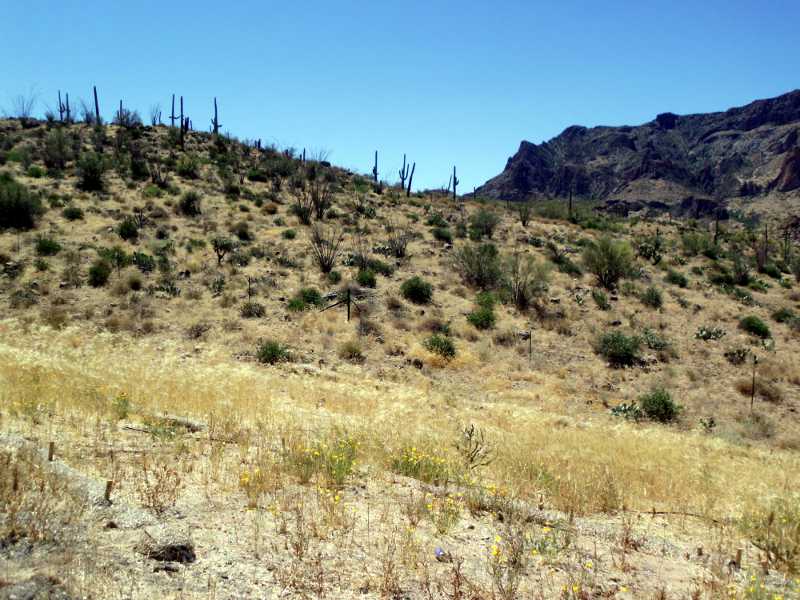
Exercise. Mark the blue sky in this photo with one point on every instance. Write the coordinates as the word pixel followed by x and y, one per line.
pixel 445 82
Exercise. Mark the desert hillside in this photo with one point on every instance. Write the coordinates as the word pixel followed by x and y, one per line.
pixel 260 375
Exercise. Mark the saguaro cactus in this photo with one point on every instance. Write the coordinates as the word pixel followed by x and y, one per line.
pixel 403 173
pixel 455 182
pixel 375 168
pixel 96 106
pixel 183 123
pixel 60 108
pixel 215 121
pixel 410 178
pixel 172 116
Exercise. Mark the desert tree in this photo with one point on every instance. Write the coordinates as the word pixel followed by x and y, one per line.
pixel 526 279
pixel 326 244
pixel 155 115
pixel 524 210
pixel 397 240
pixel 222 246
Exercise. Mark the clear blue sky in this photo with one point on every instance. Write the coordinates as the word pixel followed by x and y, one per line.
pixel 445 82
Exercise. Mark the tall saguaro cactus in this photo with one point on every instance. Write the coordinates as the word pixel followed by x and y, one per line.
pixel 410 178
pixel 375 168
pixel 183 123
pixel 172 116
pixel 96 106
pixel 455 182
pixel 403 173
pixel 215 121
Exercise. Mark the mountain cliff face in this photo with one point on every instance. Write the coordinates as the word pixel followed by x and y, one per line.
pixel 742 151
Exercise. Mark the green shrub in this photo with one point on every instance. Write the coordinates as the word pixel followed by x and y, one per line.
pixel 188 166
pixel 479 265
pixel 310 296
pixel 676 278
pixel 482 317
pixel 484 223
pixel 99 273
pixel 417 290
pixel 19 209
pixel 784 315
pixel 288 234
pixel 72 213
pixel 128 230
pixel 334 277
pixel 441 345
pixel 696 243
pixel 189 204
pixel 755 326
pixel 657 405
pixel 608 260
pixel 600 299
pixel 380 267
pixel 47 247
pixel 271 352
pixel 772 270
pixel 652 297
pixel 442 234
pixel 91 168
pixel 436 220
pixel 618 348
pixel 654 341
pixel 35 171
pixel 366 278
pixel 144 262
pixel 296 305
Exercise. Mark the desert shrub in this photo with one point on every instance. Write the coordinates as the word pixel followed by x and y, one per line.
pixel 57 150
pixel 99 273
pixel 479 265
pixel 252 310
pixel 91 168
pixel 772 270
pixel 608 260
pixel 652 297
pixel 741 271
pixel 379 267
pixel 366 278
pixel 442 234
pixel 695 243
pixel 144 262
pixel 561 259
pixel 654 341
pixel 619 349
pixel 304 299
pixel 483 223
pixel 650 248
pixel 441 345
pixel 676 278
pixel 737 356
pixel 188 166
pixel 326 246
pixel 430 467
pixel 189 204
pixel 774 528
pixel 72 213
pixel 288 234
pixel 351 351
pixel 436 220
pixel 482 317
pixel 784 315
pixel 417 290
pixel 755 326
pixel 19 209
pixel 709 332
pixel 334 277
pixel 271 352
pixel 128 230
pixel 657 405
pixel 526 280
pixel 47 247
pixel 524 210
pixel 600 299
pixel 242 231
pixel 35 171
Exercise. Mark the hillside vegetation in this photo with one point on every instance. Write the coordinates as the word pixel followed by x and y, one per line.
pixel 526 401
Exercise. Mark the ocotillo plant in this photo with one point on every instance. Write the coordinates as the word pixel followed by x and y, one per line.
pixel 375 168
pixel 403 173
pixel 455 183
pixel 410 178
pixel 96 106
pixel 215 121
